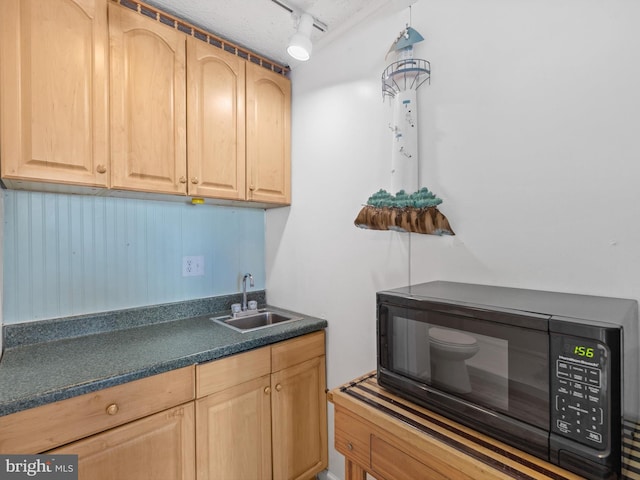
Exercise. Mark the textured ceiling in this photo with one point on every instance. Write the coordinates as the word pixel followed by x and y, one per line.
pixel 265 27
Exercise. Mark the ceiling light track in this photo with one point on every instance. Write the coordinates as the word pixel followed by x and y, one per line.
pixel 316 23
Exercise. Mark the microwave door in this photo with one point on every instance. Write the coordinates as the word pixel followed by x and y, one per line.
pixel 492 365
pixel 410 348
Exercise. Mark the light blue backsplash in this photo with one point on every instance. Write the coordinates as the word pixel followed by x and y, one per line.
pixel 71 254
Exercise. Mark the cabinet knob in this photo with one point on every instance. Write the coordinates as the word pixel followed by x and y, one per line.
pixel 278 387
pixel 194 180
pixel 349 446
pixel 252 187
pixel 101 169
pixel 112 409
pixel 182 180
pixel 267 390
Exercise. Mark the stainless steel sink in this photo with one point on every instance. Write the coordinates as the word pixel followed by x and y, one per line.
pixel 248 322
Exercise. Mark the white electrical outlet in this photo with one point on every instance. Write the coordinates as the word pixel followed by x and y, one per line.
pixel 192 266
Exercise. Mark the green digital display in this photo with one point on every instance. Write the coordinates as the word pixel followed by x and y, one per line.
pixel 580 349
pixel 583 351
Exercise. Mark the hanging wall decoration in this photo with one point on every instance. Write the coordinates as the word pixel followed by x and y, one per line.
pixel 416 212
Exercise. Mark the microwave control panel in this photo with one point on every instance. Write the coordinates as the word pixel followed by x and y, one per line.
pixel 579 408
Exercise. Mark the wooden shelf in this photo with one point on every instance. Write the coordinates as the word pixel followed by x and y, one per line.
pixel 391 438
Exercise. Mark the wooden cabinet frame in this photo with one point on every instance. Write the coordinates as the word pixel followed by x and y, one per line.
pixel 138 428
pixel 262 414
pixel 159 446
pixel 268 136
pixel 148 104
pixel 54 124
pixel 391 438
pixel 114 120
pixel 215 122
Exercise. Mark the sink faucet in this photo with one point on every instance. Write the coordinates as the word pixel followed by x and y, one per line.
pixel 244 289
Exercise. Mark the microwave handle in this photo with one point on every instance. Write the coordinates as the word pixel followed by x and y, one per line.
pixel 383 315
pixel 382 341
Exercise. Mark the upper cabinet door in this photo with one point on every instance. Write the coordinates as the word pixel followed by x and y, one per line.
pixel 53 95
pixel 215 122
pixel 268 136
pixel 148 113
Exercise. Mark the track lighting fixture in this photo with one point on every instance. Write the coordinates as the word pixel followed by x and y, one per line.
pixel 300 44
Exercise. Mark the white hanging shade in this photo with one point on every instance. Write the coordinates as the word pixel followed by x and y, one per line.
pixel 300 45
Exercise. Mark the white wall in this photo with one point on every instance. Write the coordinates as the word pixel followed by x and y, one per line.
pixel 528 131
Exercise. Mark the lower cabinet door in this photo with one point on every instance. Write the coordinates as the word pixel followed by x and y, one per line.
pixel 234 433
pixel 299 407
pixel 158 447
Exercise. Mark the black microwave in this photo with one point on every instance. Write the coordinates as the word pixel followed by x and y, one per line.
pixel 553 374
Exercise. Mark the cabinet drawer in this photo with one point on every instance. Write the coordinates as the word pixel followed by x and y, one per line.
pixel 351 437
pixel 46 427
pixel 381 453
pixel 159 446
pixel 297 350
pixel 228 372
pixel 385 459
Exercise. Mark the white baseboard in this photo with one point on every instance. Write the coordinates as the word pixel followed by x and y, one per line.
pixel 327 475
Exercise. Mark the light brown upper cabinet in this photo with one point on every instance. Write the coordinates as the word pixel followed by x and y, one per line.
pixel 239 128
pixel 224 132
pixel 96 96
pixel 148 104
pixel 268 136
pixel 53 92
pixel 215 122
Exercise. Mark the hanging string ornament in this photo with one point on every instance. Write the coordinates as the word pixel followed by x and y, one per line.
pixel 416 212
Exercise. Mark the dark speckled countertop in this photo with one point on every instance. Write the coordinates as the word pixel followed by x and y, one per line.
pixel 35 374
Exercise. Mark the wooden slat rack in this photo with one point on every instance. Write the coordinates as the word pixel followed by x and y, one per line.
pixel 391 438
